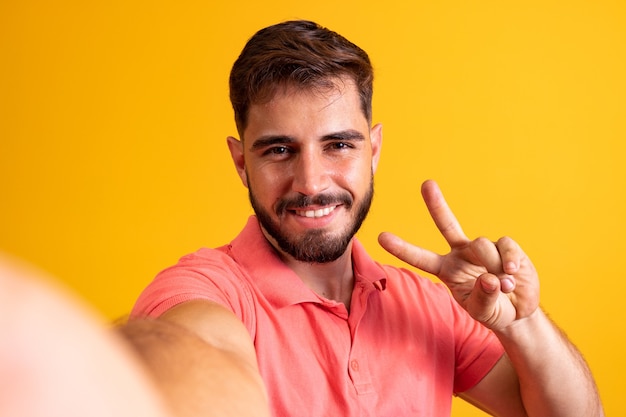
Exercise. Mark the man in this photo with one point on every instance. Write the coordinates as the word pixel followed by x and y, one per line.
pixel 293 317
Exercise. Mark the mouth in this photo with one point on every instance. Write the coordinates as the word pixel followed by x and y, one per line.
pixel 322 212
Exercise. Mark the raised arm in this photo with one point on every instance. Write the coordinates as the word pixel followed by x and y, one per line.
pixel 543 374
pixel 58 357
pixel 203 360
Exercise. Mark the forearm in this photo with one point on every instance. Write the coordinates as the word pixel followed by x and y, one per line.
pixel 196 378
pixel 554 378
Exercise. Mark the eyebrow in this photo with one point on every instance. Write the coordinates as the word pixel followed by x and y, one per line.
pixel 349 134
pixel 265 141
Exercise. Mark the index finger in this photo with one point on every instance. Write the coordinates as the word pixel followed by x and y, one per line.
pixel 420 258
pixel 443 217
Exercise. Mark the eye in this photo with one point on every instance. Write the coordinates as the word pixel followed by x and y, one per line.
pixel 278 150
pixel 340 145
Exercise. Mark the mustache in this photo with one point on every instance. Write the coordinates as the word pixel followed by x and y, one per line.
pixel 302 201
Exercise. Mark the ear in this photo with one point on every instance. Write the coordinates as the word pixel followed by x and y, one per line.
pixel 236 152
pixel 376 138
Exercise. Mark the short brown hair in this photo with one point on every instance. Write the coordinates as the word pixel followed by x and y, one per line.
pixel 300 53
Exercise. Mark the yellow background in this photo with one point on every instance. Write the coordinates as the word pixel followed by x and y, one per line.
pixel 113 118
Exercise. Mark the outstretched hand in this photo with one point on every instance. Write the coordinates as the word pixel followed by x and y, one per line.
pixel 494 281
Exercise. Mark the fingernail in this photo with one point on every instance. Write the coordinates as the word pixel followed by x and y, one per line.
pixel 507 284
pixel 489 286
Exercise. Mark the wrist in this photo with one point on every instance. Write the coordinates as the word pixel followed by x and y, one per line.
pixel 525 329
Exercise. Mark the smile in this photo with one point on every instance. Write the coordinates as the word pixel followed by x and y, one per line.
pixel 315 213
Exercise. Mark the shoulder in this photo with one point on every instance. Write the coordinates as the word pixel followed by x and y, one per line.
pixel 207 259
pixel 203 267
pixel 207 274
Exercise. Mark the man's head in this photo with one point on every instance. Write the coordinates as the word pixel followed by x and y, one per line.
pixel 307 154
pixel 302 54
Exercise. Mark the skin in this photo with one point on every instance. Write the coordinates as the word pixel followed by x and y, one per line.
pixel 494 281
pixel 201 370
pixel 57 358
pixel 304 143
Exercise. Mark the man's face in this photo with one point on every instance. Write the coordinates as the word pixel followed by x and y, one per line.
pixel 308 159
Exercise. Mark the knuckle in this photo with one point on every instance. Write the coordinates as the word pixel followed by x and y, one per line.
pixel 482 242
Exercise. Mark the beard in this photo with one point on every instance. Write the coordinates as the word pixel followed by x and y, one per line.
pixel 314 246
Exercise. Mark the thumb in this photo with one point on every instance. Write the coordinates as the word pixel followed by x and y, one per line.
pixel 482 303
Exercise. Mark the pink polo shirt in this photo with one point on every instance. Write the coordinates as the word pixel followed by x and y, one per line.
pixel 405 347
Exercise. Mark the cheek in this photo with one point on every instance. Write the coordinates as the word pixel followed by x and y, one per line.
pixel 267 184
pixel 357 175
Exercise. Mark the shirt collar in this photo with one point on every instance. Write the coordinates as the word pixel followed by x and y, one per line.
pixel 280 285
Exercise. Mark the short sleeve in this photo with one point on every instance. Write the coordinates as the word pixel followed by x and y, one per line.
pixel 477 349
pixel 208 274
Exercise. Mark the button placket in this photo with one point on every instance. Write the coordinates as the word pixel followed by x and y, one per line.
pixel 357 362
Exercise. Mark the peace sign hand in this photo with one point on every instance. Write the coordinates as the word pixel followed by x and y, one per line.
pixel 494 281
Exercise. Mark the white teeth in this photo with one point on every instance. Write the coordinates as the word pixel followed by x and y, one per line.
pixel 315 213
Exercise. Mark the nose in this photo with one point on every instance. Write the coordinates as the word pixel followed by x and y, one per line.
pixel 311 173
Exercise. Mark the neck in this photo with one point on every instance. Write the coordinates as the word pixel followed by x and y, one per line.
pixel 331 280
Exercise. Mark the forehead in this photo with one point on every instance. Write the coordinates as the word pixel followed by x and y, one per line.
pixel 295 111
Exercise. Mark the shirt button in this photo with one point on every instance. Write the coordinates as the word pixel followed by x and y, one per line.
pixel 354 365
